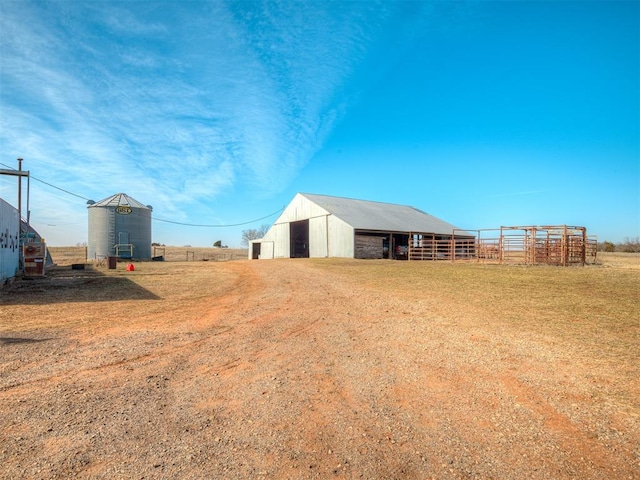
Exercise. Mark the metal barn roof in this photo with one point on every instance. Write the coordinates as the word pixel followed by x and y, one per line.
pixel 118 200
pixel 388 217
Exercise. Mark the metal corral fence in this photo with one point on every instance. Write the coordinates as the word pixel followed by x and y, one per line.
pixel 529 245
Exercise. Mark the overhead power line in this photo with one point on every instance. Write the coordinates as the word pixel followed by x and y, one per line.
pixel 155 218
pixel 232 225
pixel 46 183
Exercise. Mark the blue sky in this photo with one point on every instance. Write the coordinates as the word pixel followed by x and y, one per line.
pixel 217 113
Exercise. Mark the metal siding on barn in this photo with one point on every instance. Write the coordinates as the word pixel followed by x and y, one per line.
pixel 9 242
pixel 341 238
pixel 266 250
pixel 282 247
pixel 318 237
pixel 278 239
pixel 300 208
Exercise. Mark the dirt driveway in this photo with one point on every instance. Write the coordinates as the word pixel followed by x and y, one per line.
pixel 285 370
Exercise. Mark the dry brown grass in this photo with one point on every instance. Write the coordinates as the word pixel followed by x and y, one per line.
pixel 69 255
pixel 619 259
pixel 593 311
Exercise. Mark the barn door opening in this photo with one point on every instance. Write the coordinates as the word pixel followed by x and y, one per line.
pixel 255 250
pixel 400 246
pixel 299 239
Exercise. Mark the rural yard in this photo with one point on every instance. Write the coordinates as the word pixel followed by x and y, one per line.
pixel 321 368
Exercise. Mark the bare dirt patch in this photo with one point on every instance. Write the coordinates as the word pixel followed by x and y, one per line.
pixel 321 369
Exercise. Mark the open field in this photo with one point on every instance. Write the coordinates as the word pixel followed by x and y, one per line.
pixel 322 369
pixel 69 255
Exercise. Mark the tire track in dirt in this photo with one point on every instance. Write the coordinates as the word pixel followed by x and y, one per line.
pixel 577 444
pixel 246 281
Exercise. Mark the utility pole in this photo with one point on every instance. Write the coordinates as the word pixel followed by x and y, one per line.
pixel 18 173
pixel 19 188
pixel 19 196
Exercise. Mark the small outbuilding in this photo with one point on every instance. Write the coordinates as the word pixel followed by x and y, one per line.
pixel 316 226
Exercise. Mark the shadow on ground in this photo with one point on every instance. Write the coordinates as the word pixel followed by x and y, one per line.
pixel 64 285
pixel 15 340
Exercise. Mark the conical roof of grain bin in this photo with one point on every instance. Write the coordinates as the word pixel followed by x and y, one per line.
pixel 119 226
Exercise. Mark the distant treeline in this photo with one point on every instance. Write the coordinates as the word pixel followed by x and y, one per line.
pixel 630 245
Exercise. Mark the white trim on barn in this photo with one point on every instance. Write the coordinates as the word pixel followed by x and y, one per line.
pixel 318 226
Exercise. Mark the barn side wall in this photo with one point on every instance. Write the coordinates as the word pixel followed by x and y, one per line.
pixel 318 237
pixel 341 238
pixel 9 242
pixel 266 249
pixel 369 246
pixel 276 242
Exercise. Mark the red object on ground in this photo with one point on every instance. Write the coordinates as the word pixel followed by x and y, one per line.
pixel 130 267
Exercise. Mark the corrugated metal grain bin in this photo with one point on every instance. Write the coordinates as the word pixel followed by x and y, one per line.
pixel 119 226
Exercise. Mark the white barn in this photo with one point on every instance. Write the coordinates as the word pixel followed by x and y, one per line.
pixel 317 226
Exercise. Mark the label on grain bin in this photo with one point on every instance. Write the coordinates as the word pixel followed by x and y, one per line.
pixel 123 210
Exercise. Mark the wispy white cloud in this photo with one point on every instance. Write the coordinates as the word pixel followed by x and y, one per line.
pixel 124 23
pixel 305 54
pixel 179 102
